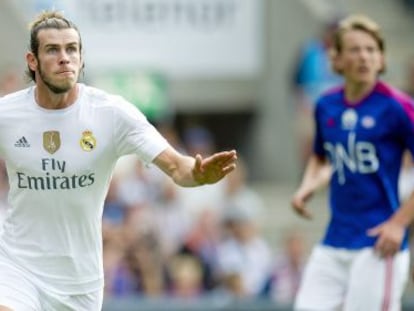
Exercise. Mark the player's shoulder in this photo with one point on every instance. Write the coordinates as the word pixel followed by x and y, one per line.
pixel 387 90
pixel 98 97
pixel 396 98
pixel 330 96
pixel 15 100
pixel 101 99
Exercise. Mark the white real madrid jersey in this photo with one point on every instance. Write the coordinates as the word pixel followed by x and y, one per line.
pixel 59 164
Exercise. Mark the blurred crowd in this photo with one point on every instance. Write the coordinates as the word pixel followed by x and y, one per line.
pixel 163 240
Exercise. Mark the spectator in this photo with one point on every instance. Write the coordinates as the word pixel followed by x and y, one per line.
pixel 10 81
pixel 288 269
pixel 186 276
pixel 312 75
pixel 244 255
pixel 142 272
pixel 171 221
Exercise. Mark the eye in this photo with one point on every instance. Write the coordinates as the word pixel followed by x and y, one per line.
pixel 354 49
pixel 52 50
pixel 71 49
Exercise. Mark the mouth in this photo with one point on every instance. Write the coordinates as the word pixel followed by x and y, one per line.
pixel 65 70
pixel 65 73
pixel 363 69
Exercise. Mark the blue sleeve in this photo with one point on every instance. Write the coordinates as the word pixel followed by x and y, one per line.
pixel 405 129
pixel 318 139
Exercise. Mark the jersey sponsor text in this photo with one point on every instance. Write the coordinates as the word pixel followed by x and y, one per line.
pixel 358 156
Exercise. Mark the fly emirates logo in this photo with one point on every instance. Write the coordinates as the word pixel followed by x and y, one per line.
pixel 357 157
pixel 53 179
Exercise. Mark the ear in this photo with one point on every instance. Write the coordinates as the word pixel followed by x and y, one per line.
pixel 82 63
pixel 31 61
pixel 382 61
pixel 337 63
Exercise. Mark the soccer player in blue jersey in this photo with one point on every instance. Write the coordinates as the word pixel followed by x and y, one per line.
pixel 362 130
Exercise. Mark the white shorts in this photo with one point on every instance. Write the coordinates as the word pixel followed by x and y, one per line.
pixel 20 292
pixel 338 279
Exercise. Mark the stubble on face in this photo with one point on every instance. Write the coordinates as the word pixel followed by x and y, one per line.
pixel 57 88
pixel 59 73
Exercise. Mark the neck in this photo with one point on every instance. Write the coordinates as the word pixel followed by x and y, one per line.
pixel 355 92
pixel 47 99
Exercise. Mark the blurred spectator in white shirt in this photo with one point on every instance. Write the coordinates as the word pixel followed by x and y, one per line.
pixel 244 255
pixel 288 269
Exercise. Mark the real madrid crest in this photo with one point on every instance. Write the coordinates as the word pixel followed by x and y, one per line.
pixel 88 141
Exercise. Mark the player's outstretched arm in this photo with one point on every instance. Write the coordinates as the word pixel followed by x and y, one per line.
pixel 317 175
pixel 187 171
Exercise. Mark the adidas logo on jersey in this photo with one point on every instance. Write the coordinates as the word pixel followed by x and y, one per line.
pixel 22 142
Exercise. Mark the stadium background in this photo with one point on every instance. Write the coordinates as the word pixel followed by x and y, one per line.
pixel 227 68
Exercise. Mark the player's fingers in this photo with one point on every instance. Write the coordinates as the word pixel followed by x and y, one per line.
pixel 307 196
pixel 198 163
pixel 223 156
pixel 229 168
pixel 306 214
pixel 386 248
pixel 228 162
pixel 374 231
pixel 301 210
pixel 297 202
pixel 387 251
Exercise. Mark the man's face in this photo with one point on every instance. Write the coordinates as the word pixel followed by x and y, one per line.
pixel 360 59
pixel 59 59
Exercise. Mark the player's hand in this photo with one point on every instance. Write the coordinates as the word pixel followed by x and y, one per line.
pixel 390 236
pixel 215 167
pixel 299 201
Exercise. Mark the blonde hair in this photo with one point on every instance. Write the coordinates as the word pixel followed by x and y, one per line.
pixel 356 22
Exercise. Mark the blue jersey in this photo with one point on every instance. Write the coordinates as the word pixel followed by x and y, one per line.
pixel 365 143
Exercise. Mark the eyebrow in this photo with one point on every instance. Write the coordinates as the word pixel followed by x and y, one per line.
pixel 57 45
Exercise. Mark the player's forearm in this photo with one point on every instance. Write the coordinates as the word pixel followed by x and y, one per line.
pixel 405 214
pixel 317 173
pixel 179 167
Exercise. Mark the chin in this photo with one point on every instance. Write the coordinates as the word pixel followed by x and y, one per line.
pixel 62 88
pixel 365 80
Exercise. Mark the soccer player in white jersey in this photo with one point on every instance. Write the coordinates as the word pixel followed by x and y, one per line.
pixel 362 130
pixel 61 140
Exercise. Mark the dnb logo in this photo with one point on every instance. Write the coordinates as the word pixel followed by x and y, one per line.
pixel 88 141
pixel 356 156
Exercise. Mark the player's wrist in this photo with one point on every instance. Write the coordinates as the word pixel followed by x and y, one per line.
pixel 400 221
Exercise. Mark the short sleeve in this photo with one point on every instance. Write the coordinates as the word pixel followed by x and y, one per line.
pixel 133 134
pixel 318 148
pixel 405 128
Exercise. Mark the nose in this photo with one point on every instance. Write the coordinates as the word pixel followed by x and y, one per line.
pixel 365 54
pixel 64 58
